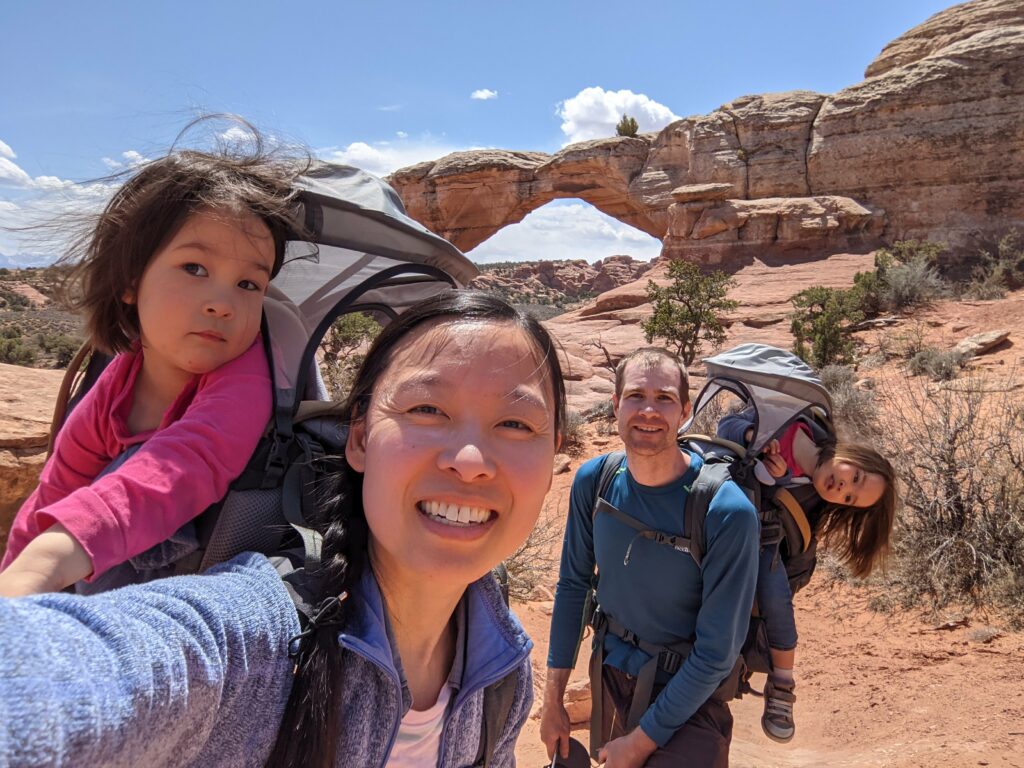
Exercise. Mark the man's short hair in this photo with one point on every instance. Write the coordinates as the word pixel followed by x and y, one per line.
pixel 651 357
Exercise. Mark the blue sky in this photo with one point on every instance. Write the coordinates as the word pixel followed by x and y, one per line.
pixel 90 86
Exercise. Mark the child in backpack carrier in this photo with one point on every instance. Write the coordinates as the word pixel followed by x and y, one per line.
pixel 849 496
pixel 172 278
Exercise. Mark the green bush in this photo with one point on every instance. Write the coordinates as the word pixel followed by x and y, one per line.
pixel 821 324
pixel 627 126
pixel 687 311
pixel 340 350
pixel 905 275
pixel 1000 271
pixel 62 346
pixel 14 350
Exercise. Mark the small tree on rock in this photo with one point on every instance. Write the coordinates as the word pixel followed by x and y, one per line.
pixel 687 312
pixel 821 324
pixel 627 126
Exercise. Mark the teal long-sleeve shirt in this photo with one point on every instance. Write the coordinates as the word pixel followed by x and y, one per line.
pixel 661 594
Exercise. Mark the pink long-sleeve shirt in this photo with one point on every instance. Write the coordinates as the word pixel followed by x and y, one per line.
pixel 203 442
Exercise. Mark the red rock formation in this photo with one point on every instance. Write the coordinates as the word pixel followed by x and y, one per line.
pixel 930 146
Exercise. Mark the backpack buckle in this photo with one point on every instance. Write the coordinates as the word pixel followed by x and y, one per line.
pixel 670 661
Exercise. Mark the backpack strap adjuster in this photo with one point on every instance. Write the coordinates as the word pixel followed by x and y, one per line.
pixel 670 661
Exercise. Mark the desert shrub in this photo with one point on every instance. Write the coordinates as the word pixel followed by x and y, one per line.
pixel 62 346
pixel 603 411
pixel 536 561
pixel 937 364
pixel 688 311
pixel 574 436
pixel 821 325
pixel 999 271
pixel 854 410
pixel 11 300
pixel 341 351
pixel 912 284
pixel 905 275
pixel 959 454
pixel 627 126
pixel 13 349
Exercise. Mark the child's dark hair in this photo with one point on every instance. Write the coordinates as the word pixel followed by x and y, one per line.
pixel 861 535
pixel 150 208
pixel 309 728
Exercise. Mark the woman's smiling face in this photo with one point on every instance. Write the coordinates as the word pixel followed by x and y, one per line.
pixel 456 449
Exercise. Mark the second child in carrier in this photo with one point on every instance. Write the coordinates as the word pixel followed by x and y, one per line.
pixel 848 492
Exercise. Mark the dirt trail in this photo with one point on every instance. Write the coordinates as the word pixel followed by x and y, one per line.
pixel 875 691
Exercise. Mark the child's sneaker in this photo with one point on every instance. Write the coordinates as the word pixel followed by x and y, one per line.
pixel 777 720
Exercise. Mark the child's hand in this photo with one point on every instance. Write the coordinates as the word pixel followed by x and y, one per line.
pixel 51 561
pixel 773 460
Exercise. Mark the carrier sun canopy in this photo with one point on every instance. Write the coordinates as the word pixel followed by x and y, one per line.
pixel 777 383
pixel 356 227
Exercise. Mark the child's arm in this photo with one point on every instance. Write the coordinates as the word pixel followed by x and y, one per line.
pixel 175 474
pixel 52 560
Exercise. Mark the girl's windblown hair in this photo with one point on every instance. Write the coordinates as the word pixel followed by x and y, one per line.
pixel 113 249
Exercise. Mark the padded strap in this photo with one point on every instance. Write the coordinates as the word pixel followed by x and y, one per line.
pixel 498 700
pixel 799 519
pixel 711 477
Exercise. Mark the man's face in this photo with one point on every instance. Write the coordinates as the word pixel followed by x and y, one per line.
pixel 651 407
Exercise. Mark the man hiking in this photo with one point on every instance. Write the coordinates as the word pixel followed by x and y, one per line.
pixel 668 630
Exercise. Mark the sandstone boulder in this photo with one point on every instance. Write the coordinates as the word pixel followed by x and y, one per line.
pixel 980 343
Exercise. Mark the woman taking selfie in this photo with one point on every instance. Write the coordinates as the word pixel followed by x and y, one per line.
pixel 454 420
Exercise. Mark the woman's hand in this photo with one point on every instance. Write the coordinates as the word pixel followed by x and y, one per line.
pixel 773 460
pixel 629 751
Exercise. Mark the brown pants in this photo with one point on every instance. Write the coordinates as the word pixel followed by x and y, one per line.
pixel 702 742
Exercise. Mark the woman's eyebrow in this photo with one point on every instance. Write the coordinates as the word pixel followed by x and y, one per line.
pixel 524 394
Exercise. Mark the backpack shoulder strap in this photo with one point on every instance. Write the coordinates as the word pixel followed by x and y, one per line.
pixel 498 700
pixel 610 466
pixel 710 478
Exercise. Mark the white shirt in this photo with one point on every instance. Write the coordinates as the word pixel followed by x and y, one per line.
pixel 419 735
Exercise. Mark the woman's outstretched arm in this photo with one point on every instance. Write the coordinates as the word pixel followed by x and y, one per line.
pixel 192 669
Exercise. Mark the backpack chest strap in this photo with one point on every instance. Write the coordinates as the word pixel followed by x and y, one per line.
pixel 678 542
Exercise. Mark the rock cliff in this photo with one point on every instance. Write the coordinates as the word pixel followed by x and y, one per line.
pixel 930 145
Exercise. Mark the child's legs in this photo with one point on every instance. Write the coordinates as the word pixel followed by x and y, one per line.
pixel 775 602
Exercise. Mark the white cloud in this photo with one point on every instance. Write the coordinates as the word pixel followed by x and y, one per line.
pixel 131 160
pixel 402 134
pixel 566 230
pixel 389 108
pixel 483 94
pixel 235 133
pixel 383 157
pixel 593 112
pixel 6 151
pixel 11 174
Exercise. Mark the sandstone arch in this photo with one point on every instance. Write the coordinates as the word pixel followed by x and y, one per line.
pixel 930 145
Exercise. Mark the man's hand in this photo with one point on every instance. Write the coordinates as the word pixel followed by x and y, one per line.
pixel 554 720
pixel 629 751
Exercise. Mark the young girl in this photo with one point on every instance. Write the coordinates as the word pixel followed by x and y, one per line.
pixel 455 417
pixel 850 501
pixel 173 277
